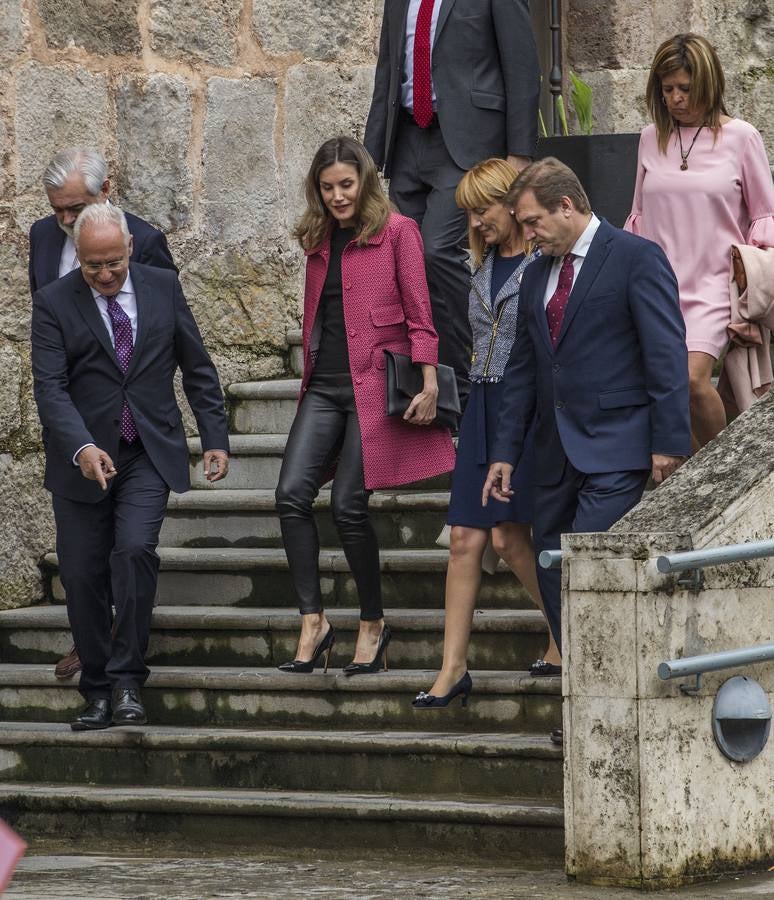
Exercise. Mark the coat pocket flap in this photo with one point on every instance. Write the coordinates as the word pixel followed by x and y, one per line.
pixel 623 397
pixel 388 315
pixel 487 100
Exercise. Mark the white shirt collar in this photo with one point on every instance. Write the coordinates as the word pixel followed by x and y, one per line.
pixel 581 246
pixel 127 288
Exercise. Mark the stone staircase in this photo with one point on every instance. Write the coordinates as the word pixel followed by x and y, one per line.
pixel 239 755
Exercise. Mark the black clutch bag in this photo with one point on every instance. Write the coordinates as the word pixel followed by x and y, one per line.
pixel 405 381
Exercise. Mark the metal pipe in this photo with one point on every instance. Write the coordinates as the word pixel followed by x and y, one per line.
pixel 712 662
pixel 555 74
pixel 550 559
pixel 714 556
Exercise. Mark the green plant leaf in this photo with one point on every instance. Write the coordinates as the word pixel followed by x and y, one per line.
pixel 542 130
pixel 580 94
pixel 560 111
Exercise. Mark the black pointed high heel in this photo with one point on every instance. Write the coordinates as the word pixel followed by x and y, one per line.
pixel 325 646
pixel 375 665
pixel 429 701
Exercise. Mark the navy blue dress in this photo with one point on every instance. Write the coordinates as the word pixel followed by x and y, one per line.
pixel 477 434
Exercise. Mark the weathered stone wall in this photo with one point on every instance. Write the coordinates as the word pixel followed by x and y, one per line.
pixel 209 112
pixel 649 798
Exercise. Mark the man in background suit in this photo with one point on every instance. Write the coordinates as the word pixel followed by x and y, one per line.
pixel 599 361
pixel 75 178
pixel 106 341
pixel 457 81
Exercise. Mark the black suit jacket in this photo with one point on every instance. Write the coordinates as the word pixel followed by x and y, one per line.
pixel 614 391
pixel 149 246
pixel 485 73
pixel 80 388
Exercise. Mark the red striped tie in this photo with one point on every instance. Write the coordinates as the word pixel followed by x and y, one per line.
pixel 423 80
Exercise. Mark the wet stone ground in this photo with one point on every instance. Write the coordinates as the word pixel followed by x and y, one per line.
pixel 131 878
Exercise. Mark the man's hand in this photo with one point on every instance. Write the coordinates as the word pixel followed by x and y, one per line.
pixel 96 465
pixel 663 466
pixel 215 465
pixel 517 163
pixel 498 483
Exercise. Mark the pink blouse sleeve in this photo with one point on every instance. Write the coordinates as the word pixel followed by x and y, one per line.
pixel 633 221
pixel 758 192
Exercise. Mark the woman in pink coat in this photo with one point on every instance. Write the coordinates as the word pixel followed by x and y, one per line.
pixel 366 292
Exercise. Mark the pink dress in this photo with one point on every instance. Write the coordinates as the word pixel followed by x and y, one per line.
pixel 725 197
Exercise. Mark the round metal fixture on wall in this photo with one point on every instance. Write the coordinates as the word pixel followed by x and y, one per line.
pixel 741 718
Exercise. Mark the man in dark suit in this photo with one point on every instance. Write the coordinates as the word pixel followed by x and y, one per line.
pixel 75 178
pixel 599 362
pixel 457 81
pixel 106 342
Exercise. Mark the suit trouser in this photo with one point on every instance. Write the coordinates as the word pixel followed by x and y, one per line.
pixel 423 180
pixel 326 431
pixel 107 551
pixel 578 503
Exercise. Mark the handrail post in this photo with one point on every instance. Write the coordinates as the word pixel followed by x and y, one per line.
pixel 555 74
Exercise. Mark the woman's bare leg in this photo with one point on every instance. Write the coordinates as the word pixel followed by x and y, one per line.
pixel 708 417
pixel 512 542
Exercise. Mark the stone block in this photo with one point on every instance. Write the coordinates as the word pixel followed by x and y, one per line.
pixel 15 303
pixel 195 30
pixel 240 195
pixel 98 26
pixel 25 511
pixel 701 813
pixel 602 760
pixel 321 102
pixel 10 395
pixel 619 99
pixel 589 574
pixel 13 29
pixel 316 29
pixel 601 644
pixel 56 107
pixel 154 130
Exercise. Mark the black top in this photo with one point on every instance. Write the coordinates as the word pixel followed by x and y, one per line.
pixel 333 355
pixel 502 269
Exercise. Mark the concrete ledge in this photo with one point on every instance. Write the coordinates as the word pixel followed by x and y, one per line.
pixel 225 501
pixel 282 389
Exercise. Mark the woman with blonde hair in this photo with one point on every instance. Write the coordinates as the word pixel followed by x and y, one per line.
pixel 366 292
pixel 500 258
pixel 703 185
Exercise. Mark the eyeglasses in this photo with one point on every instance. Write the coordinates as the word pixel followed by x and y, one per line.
pixel 113 265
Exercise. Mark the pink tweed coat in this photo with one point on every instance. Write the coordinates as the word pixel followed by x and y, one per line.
pixel 386 307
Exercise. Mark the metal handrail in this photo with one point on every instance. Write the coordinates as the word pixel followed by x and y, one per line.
pixel 714 556
pixel 550 559
pixel 713 662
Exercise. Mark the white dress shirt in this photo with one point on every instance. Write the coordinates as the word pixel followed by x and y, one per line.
pixel 407 88
pixel 579 250
pixel 68 260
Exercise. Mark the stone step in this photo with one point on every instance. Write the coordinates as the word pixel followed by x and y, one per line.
pixel 229 518
pixel 250 697
pixel 255 465
pixel 214 636
pixel 204 820
pixel 410 763
pixel 260 577
pixel 263 407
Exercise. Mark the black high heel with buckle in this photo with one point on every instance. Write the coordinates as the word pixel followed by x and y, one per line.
pixel 375 665
pixel 325 646
pixel 429 701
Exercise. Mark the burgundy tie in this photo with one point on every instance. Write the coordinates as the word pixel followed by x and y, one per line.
pixel 558 302
pixel 124 344
pixel 423 81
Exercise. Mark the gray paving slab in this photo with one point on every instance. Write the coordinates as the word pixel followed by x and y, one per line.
pixel 298 875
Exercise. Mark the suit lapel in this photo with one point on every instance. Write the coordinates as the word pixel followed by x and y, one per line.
pixel 144 308
pixel 90 312
pixel 595 258
pixel 54 254
pixel 398 25
pixel 443 15
pixel 540 269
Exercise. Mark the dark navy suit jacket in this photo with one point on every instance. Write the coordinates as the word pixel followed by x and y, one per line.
pixel 615 390
pixel 149 246
pixel 80 388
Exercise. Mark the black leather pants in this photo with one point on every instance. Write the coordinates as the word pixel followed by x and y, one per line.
pixel 326 427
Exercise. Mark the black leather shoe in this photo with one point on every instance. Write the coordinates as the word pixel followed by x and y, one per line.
pixel 557 737
pixel 379 661
pixel 96 714
pixel 543 669
pixel 307 665
pixel 127 707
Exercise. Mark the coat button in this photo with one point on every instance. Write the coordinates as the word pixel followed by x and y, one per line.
pixel 348 285
pixel 559 404
pixel 358 381
pixel 353 333
pixel 556 368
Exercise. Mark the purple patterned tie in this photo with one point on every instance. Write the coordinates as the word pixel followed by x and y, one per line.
pixel 124 344
pixel 558 303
